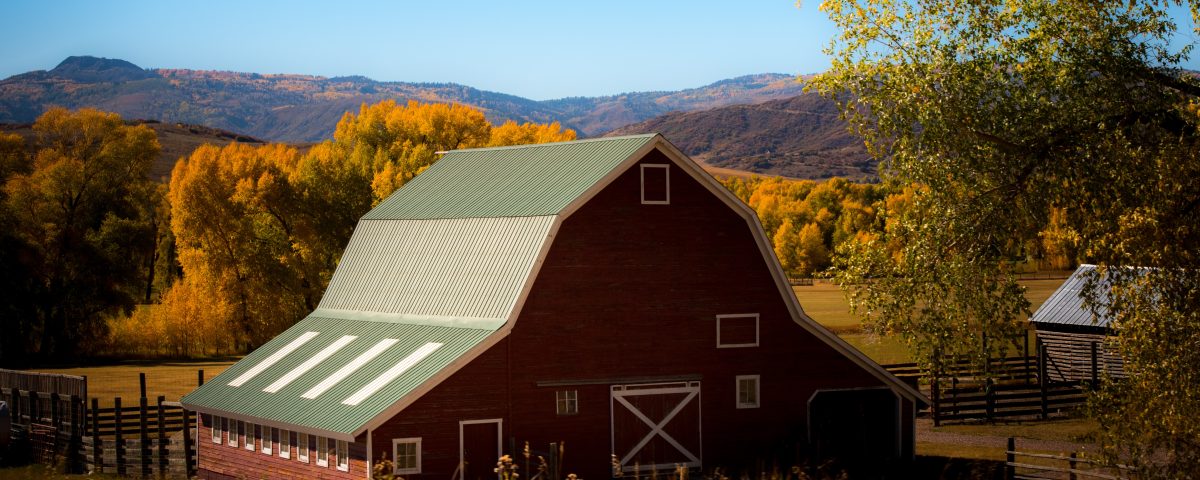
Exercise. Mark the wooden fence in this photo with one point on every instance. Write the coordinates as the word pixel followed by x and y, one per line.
pixel 1006 387
pixel 1041 466
pixel 144 439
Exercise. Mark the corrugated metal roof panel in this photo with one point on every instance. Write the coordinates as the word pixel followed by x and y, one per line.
pixel 471 268
pixel 329 410
pixel 525 180
pixel 1065 306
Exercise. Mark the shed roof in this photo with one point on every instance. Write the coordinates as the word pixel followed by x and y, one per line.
pixel 1065 306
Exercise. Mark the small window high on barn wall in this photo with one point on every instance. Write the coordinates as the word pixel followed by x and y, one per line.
pixel 216 428
pixel 285 444
pixel 343 456
pixel 747 391
pixel 250 436
pixel 322 452
pixel 302 447
pixel 407 453
pixel 234 428
pixel 656 184
pixel 737 330
pixel 566 402
pixel 270 436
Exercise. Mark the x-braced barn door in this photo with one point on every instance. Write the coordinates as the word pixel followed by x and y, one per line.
pixel 656 426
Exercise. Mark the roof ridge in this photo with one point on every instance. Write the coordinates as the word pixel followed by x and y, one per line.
pixel 553 144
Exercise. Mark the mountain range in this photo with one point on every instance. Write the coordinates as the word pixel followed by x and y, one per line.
pixel 305 108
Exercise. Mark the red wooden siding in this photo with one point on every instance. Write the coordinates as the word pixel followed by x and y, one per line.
pixel 629 293
pixel 222 461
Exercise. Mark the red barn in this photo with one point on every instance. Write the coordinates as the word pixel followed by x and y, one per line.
pixel 604 293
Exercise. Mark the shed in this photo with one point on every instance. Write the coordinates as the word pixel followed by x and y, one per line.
pixel 605 294
pixel 1076 342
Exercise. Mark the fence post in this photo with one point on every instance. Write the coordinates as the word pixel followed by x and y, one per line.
pixel 187 442
pixel 76 437
pixel 935 409
pixel 97 461
pixel 144 435
pixel 142 383
pixel 55 418
pixel 119 441
pixel 162 437
pixel 1009 459
pixel 200 377
pixel 1025 354
pixel 991 400
pixel 1071 473
pixel 1042 380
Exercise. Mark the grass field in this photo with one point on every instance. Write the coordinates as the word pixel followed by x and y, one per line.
pixel 826 304
pixel 170 379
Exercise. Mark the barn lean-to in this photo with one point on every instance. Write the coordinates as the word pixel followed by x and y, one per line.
pixel 606 293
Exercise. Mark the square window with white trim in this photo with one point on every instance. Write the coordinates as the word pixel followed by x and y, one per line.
pixel 407 455
pixel 656 184
pixel 302 447
pixel 567 402
pixel 217 426
pixel 737 330
pixel 268 439
pixel 343 456
pixel 250 427
pixel 322 452
pixel 285 444
pixel 747 391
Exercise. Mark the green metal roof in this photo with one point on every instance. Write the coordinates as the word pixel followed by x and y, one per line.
pixel 466 268
pixel 526 180
pixel 328 412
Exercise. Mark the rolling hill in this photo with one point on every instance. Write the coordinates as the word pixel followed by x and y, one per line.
pixel 305 108
pixel 800 137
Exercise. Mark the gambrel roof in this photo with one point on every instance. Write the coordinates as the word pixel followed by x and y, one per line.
pixel 433 277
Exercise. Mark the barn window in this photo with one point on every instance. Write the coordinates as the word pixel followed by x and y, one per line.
pixel 216 428
pixel 343 456
pixel 407 452
pixel 285 444
pixel 234 429
pixel 250 436
pixel 567 402
pixel 322 452
pixel 656 184
pixel 747 391
pixel 302 447
pixel 737 330
pixel 268 439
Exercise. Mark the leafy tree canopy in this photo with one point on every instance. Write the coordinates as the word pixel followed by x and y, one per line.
pixel 1004 113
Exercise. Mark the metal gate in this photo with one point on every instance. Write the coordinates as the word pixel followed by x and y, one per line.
pixel 656 426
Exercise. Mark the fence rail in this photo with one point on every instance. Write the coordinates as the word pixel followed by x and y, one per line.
pixel 1019 466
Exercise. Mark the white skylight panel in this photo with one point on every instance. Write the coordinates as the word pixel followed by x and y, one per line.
pixel 391 374
pixel 309 364
pixel 349 368
pixel 275 357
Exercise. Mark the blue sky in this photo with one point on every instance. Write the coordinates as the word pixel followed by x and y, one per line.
pixel 535 49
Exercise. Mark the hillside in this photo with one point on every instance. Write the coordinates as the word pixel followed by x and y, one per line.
pixel 799 137
pixel 176 139
pixel 305 108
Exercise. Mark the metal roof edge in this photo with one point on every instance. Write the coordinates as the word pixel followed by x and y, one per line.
pixel 780 278
pixel 553 144
pixel 291 427
pixel 475 323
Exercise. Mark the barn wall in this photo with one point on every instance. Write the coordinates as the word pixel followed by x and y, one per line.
pixel 1069 355
pixel 477 391
pixel 632 290
pixel 222 461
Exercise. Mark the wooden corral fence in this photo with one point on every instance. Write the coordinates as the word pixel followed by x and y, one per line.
pixel 145 439
pixel 1008 387
pixel 1042 466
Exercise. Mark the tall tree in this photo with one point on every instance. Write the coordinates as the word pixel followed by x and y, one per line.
pixel 79 209
pixel 1005 111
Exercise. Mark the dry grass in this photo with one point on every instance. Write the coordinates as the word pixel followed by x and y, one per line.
pixel 1079 430
pixel 170 379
